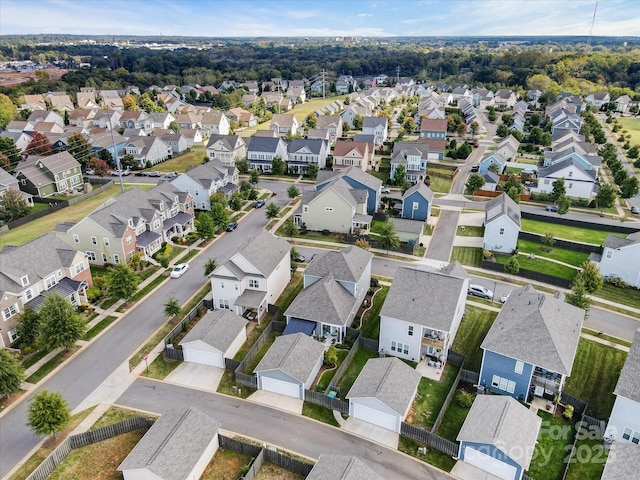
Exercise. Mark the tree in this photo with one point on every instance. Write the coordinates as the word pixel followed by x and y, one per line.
pixel 474 182
pixel 590 276
pixel 331 356
pixel 464 150
pixel 8 110
pixel 272 211
pixel 220 215
pixel 512 266
pixel 634 152
pixel 122 282
pixel 514 194
pixel 243 166
pixel 4 160
pixel 253 194
pixel 29 327
pixel 400 175
pixel 388 238
pixel 128 161
pixel 311 120
pixel 461 129
pixel 620 176
pixel 475 127
pixel 13 206
pixel 60 325
pixel 235 202
pixel 492 114
pixel 11 374
pixel 205 228
pixel 629 187
pixel 172 307
pixel 409 125
pixel 548 240
pixel 502 131
pixel 559 189
pixel 606 196
pixel 578 296
pixel 174 126
pixel 278 166
pixel 48 413
pixel 513 182
pixel 99 166
pixel 80 149
pixel 507 119
pixel 293 192
pixel 312 171
pixel 357 122
pixel 290 229
pixel 535 135
pixel 39 145
pixel 254 177
pixel 129 103
pixel 563 204
pixel 209 266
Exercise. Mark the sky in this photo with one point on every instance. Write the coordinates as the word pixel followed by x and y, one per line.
pixel 306 18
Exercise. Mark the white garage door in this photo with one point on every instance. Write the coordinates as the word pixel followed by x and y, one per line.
pixel 281 387
pixel 206 358
pixel 433 156
pixel 374 416
pixel 489 464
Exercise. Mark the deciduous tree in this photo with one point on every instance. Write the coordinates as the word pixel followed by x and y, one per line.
pixel 312 171
pixel 293 191
pixel 8 110
pixel 278 166
pixel 205 228
pixel 474 182
pixel 220 215
pixel 39 145
pixel 512 266
pixel 99 166
pixel 559 189
pixel 272 211
pixel 290 229
pixel 590 276
pixel 578 295
pixel 29 327
pixel 60 325
pixel 606 196
pixel 388 237
pixel 254 176
pixel 122 282
pixel 629 187
pixel 13 206
pixel 11 374
pixel 48 413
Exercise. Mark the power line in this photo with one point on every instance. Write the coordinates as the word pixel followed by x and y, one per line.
pixel 593 20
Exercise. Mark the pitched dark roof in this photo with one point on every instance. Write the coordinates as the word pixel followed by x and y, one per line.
pixel 218 328
pixel 296 355
pixel 263 144
pixel 629 381
pixel 501 205
pixel 341 467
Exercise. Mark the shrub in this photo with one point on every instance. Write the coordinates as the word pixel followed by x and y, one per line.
pixel 617 282
pixel 326 232
pixel 374 282
pixel 486 254
pixel 464 399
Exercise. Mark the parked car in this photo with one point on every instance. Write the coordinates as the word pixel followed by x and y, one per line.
pixel 479 291
pixel 179 270
pixel 635 210
pixel 300 258
pixel 171 174
pixel 117 173
pixel 384 190
pixel 140 174
pixel 232 226
pixel 551 208
pixel 90 171
pixel 154 174
pixel 475 168
pixel 259 204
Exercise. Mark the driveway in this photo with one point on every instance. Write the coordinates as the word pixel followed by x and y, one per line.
pixel 195 375
pixel 443 236
pixel 464 471
pixel 275 400
pixel 371 432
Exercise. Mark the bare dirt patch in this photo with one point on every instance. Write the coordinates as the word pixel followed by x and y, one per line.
pixel 269 471
pixel 225 464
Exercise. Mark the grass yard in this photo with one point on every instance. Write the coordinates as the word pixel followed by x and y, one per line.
pixel 356 365
pixel 269 471
pixel 328 375
pixel 180 163
pixel 609 338
pixel 317 412
pixel 624 296
pixel 470 231
pixel 557 253
pixel 432 457
pixel 471 256
pixel 441 185
pixel 228 381
pixel 551 449
pixel 99 327
pixel 51 365
pixel 453 420
pixel 473 328
pixel 595 361
pixel 588 460
pixel 431 396
pixel 370 326
pixel 160 368
pixel 117 414
pixel 225 464
pixel 632 126
pixel 583 235
pixel 541 265
pixel 290 291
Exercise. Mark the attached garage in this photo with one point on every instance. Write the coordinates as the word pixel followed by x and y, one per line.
pixel 490 464
pixel 375 416
pixel 282 387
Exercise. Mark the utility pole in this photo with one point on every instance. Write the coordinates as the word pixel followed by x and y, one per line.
pixel 398 74
pixel 115 151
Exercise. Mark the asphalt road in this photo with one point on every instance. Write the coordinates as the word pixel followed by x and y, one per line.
pixel 278 428
pixel 443 236
pixel 97 361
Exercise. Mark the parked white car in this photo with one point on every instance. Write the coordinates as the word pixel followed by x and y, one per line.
pixel 179 270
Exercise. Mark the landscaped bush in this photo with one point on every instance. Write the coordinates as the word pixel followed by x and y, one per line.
pixel 374 282
pixel 464 399
pixel 617 282
pixel 326 232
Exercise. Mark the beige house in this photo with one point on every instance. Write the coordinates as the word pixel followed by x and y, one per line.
pixel 227 149
pixel 347 154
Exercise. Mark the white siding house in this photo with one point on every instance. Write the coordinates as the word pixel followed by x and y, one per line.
pixel 501 225
pixel 620 258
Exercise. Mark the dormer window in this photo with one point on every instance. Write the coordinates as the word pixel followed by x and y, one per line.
pixel 24 280
pixel 131 222
pixel 161 207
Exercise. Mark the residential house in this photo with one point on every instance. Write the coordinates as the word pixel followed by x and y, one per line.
pixel 87 100
pixel 18 126
pixel 620 258
pixel 505 151
pixel 320 134
pixel 133 119
pixel 622 103
pixel 598 99
pixel 217 336
pixel 409 231
pixel 623 461
pixel 563 121
pixel 147 150
pixel 534 95
pixel 176 141
pixel 580 181
pixel 304 152
pixel 376 126
pixel 284 124
pixel 215 122
pixel 417 202
pixel 82 117
pixel 161 454
pixel 7 182
pixel 332 123
pixel 588 161
pixel 32 270
pixel 60 101
pixel 47 127
pixel 358 180
pixel 461 91
pixel 251 86
pixel 491 180
pixel 334 286
pixel 297 94
pixel 530 348
pixel 384 392
pixel 242 117
pixel 227 148
pixel 505 98
pixel 110 141
pixel 344 82
pixel 262 150
pixel 158 120
pixel 290 365
pixel 108 119
pixel 499 436
pixel 45 116
pixel 55 174
pixel 333 467
pixel 433 132
pixel 20 139
pixel 414 157
pixel 253 277
pixel 502 222
pixel 33 102
pixel 349 114
pixel 413 324
pixel 189 120
pixel 204 180
pixel 194 136
pixel 347 154
pixel 250 99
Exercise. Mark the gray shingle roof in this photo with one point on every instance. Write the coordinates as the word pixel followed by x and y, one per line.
pixel 229 141
pixel 296 355
pixel 263 144
pixel 162 449
pixel 265 251
pixel 372 122
pixel 407 225
pixel 623 462
pixel 313 144
pixel 555 167
pixel 502 205
pixel 629 382
pixel 352 172
pixel 424 298
pixel 390 380
pixel 218 328
pixel 614 241
pixel 341 467
pixel 346 265
pixel 422 189
pixel 537 329
pixel 455 269
pixel 501 421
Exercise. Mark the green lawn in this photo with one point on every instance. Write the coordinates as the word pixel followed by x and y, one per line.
pixel 370 327
pixel 322 414
pixel 180 163
pixel 632 125
pixel 431 396
pixel 160 368
pixel 471 256
pixel 624 296
pixel 290 292
pixel 470 231
pixel 588 460
pixel 432 457
pixel 594 375
pixel 473 328
pixel 354 368
pixel 551 449
pixel 441 185
pixel 99 327
pixel 453 420
pixel 557 253
pixel 541 265
pixel 576 234
pixel 328 375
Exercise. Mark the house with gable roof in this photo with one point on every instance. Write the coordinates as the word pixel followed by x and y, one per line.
pixel 581 181
pixel 343 467
pixel 215 122
pixel 262 150
pixel 598 99
pixel 376 126
pixel 204 180
pixel 347 154
pixel 253 277
pixel 284 124
pixel 334 286
pixel 45 116
pixel 305 151
pixel 242 116
pixel 34 102
pixel 433 132
pixel 414 156
pixel 530 348
pixel 505 151
pixel 501 224
pixel 357 179
pixel 384 392
pixel 505 98
pixel 332 123
pixel 133 119
pixel 44 176
pixel 226 148
pixel 623 461
pixel 30 271
pixel 417 202
pixel 176 141
pixel 148 149
pixel 499 436
pixel 620 258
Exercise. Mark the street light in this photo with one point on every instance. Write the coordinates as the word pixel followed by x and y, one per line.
pixel 115 150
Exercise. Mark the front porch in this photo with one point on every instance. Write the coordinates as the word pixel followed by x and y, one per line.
pixel 361 222
pixel 177 226
pixel 252 305
pixel 148 243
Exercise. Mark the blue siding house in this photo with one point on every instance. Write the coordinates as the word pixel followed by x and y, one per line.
pixel 530 348
pixel 499 436
pixel 416 202
pixel 357 179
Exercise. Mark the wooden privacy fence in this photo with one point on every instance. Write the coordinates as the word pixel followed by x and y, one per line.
pixel 87 438
pixel 323 400
pixel 457 359
pixel 176 353
pixel 343 366
pixel 611 226
pixel 569 245
pixel 428 438
pixel 467 376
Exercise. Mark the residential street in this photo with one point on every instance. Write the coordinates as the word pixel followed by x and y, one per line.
pixel 278 428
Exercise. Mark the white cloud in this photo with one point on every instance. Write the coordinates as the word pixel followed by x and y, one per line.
pixel 365 15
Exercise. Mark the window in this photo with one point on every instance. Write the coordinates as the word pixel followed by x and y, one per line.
pixel 94 241
pixel 80 267
pixel 501 232
pixel 91 256
pixel 305 209
pixel 28 294
pixel 627 433
pixel 104 257
pixel 570 174
pixel 237 287
pixel 519 367
pixel 10 311
pixel 328 209
pixel 13 336
pixel 570 185
pixel 106 241
pixel 503 384
pixel 636 438
pixel 254 283
pixel 24 280
pixel 415 206
pixel 547 181
pixel 410 332
pixel 76 238
pixel 393 346
pixel 609 254
pixel 129 239
pixel 50 282
pixel 221 284
pixel 224 303
pixel 116 258
pixel 156 224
